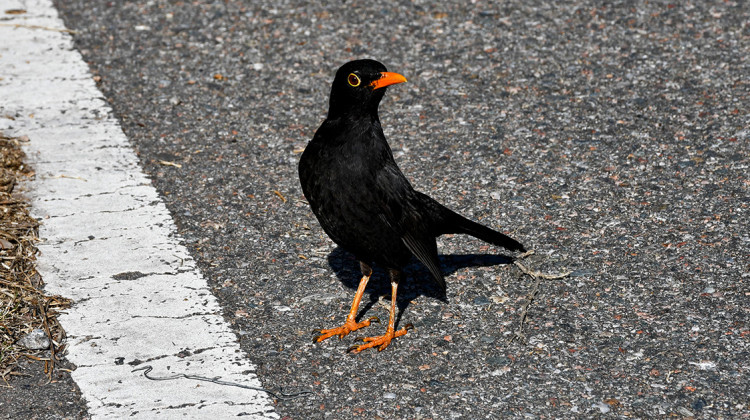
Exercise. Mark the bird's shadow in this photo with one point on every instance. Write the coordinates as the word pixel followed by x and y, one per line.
pixel 417 279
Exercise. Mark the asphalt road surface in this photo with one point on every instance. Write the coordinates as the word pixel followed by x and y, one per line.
pixel 612 139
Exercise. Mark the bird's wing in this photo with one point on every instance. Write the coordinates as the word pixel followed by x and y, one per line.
pixel 425 249
pixel 401 210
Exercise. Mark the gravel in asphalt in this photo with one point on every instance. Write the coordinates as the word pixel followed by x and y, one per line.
pixel 613 139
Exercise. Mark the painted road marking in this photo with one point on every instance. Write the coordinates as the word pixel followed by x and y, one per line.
pixel 110 243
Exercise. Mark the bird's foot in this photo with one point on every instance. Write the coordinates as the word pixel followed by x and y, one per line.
pixel 342 331
pixel 380 342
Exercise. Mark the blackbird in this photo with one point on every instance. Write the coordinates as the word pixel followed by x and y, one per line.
pixel 365 203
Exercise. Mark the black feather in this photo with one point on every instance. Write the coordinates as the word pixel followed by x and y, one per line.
pixel 361 198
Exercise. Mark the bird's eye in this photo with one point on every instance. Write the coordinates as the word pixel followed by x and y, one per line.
pixel 353 80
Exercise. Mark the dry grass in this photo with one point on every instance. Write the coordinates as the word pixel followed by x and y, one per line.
pixel 23 304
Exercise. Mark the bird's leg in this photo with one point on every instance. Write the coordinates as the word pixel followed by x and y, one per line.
pixel 351 324
pixel 384 340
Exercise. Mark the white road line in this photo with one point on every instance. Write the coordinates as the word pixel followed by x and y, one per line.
pixel 110 243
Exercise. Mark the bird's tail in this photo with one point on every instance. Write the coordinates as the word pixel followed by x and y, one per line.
pixel 452 222
pixel 464 225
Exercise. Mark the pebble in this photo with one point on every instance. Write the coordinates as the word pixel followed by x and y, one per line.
pixel 603 407
pixel 685 412
pixel 481 301
pixel 35 340
pixel 699 404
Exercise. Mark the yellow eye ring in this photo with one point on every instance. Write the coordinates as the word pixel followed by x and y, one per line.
pixel 353 80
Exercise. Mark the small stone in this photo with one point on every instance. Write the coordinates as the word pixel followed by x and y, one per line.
pixel 481 301
pixel 704 365
pixel 499 361
pixel 604 408
pixel 326 298
pixel 699 404
pixel 685 412
pixel 35 340
pixel 389 396
pixel 582 273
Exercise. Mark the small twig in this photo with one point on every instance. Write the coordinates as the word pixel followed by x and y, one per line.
pixel 45 324
pixel 169 163
pixel 538 277
pixel 70 177
pixel 281 196
pixel 278 395
pixel 46 28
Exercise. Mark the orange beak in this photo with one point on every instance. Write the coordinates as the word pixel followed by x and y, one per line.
pixel 386 79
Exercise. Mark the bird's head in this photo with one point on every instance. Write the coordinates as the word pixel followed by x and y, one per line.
pixel 359 86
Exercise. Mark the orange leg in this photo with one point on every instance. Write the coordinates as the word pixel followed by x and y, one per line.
pixel 350 324
pixel 384 340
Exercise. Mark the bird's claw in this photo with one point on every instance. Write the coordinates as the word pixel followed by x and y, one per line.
pixel 343 330
pixel 380 342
